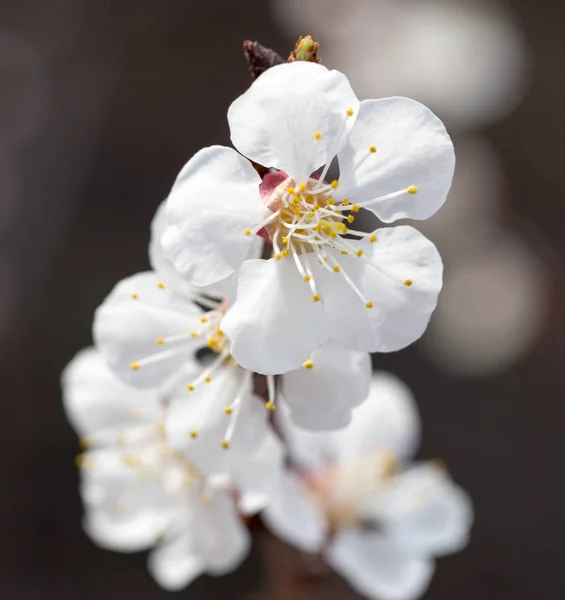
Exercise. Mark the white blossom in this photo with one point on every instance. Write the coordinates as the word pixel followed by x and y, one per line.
pixel 140 493
pixel 353 496
pixel 373 293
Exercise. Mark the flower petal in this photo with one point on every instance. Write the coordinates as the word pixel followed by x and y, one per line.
pixel 257 478
pixel 138 312
pixel 400 274
pixel 376 569
pixel 174 564
pixel 273 324
pixel 98 404
pixel 387 420
pixel 214 202
pixel 337 382
pixel 275 122
pixel 412 149
pixel 424 512
pixel 197 423
pixel 293 515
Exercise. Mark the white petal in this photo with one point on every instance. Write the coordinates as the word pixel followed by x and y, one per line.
pixel 222 538
pixel 122 533
pixel 400 312
pixel 375 569
pixel 100 405
pixel 202 411
pixel 424 512
pixel 274 122
pixel 130 321
pixel 387 420
pixel 162 265
pixel 214 200
pixel 413 149
pixel 258 477
pixel 174 564
pixel 273 323
pixel 293 516
pixel 338 381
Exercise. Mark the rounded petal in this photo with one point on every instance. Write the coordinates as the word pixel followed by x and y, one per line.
pixel 174 564
pixel 333 383
pixel 139 311
pixel 387 420
pixel 221 536
pixel 401 275
pixel 294 516
pixel 273 324
pixel 257 478
pixel 424 512
pixel 99 405
pixel 412 149
pixel 376 569
pixel 214 201
pixel 197 423
pixel 162 265
pixel 275 122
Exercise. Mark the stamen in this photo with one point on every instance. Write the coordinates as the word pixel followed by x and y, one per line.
pixel 413 189
pixel 271 404
pixel 152 359
pixel 206 375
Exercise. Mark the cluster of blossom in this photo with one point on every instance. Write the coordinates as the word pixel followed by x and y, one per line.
pixel 178 448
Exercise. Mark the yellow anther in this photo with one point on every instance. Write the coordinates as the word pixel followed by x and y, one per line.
pixel 307 278
pixel 302 187
pixel 369 305
pixel 190 387
pixel 408 282
pixel 349 112
pixel 225 444
pixel 193 334
pixel 334 183
pixel 373 239
pixel 134 296
pixel 206 498
pixel 134 413
pixel 350 218
pixel 161 285
pixel 228 410
pixel 160 341
pixel 331 201
pixel 161 430
pixel 211 342
pixel 309 364
pixel 207 379
pixel 278 256
pixel 134 366
pixel 345 202
pixel 310 199
pixel 194 434
pixel 372 149
pixel 355 208
pixel 130 460
pixel 316 297
pixel 203 320
pixel 290 190
pixel 413 189
pixel 336 268
pixel 121 439
pixel 344 251
pixel 220 333
pixel 247 231
pixel 318 227
pixel 297 211
pixel 316 207
pixel 80 460
pixel 285 252
pixel 359 253
pixel 295 201
pixel 311 215
pixel 85 442
pixel 285 240
pixel 317 135
pixel 270 406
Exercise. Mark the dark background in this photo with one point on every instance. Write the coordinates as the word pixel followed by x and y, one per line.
pixel 102 102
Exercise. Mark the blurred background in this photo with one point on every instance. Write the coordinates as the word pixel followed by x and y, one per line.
pixel 102 102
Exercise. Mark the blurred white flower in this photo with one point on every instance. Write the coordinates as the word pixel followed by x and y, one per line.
pixel 373 294
pixel 140 493
pixel 468 61
pixel 353 496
